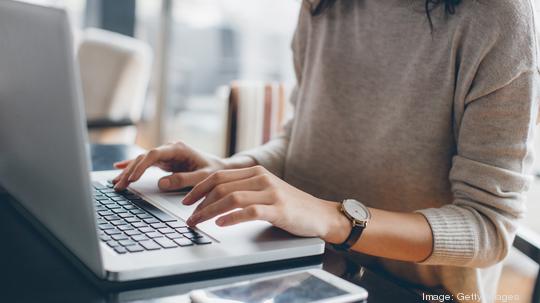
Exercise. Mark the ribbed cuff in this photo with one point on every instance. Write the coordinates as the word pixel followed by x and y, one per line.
pixel 454 236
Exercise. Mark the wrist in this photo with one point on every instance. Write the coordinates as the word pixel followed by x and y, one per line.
pixel 337 225
pixel 235 162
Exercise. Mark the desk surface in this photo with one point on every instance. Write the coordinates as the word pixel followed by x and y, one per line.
pixel 31 270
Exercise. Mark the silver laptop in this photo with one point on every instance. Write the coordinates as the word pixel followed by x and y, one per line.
pixel 44 164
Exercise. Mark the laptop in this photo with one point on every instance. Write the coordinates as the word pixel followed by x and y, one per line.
pixel 44 164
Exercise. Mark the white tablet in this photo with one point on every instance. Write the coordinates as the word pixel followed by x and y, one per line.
pixel 313 285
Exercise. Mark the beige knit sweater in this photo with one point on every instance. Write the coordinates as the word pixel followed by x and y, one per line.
pixel 407 120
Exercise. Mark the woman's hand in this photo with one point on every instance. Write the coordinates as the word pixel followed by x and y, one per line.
pixel 255 194
pixel 187 165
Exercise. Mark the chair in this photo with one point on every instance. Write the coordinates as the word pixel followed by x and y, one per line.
pixel 115 74
pixel 256 112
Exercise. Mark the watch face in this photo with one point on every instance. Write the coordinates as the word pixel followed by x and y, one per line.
pixel 356 210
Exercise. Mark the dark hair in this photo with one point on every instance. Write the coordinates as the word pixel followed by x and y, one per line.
pixel 429 5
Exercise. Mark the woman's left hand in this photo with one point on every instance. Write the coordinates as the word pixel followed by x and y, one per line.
pixel 256 194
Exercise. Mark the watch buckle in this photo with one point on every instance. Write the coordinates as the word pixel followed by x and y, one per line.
pixel 358 223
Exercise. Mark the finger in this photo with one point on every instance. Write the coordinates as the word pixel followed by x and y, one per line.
pixel 119 180
pixel 120 175
pixel 256 183
pixel 180 180
pixel 116 179
pixel 237 199
pixel 162 153
pixel 122 164
pixel 219 177
pixel 123 181
pixel 250 213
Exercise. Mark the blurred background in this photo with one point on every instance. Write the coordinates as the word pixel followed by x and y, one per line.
pixel 185 53
pixel 155 71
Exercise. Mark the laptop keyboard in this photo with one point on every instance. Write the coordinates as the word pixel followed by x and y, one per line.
pixel 129 224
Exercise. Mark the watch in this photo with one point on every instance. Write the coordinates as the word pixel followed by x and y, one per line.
pixel 359 215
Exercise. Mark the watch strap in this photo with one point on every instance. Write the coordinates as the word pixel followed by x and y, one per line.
pixel 353 237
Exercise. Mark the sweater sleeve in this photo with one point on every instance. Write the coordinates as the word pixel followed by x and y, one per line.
pixel 489 174
pixel 272 154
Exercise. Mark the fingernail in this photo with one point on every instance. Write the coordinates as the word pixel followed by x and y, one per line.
pixel 186 199
pixel 220 221
pixel 192 220
pixel 165 183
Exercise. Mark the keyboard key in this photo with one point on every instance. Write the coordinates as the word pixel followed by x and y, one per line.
pixel 104 213
pixel 104 226
pixel 176 224
pixel 146 229
pixel 127 242
pixel 120 250
pixel 192 235
pixel 151 220
pixel 118 222
pixel 139 238
pixel 105 238
pixel 125 215
pixel 98 185
pixel 183 242
pixel 201 241
pixel 135 248
pixel 112 243
pixel 166 230
pixel 111 232
pixel 132 232
pixel 101 221
pixel 133 220
pixel 166 243
pixel 139 224
pixel 125 227
pixel 112 206
pixel 120 237
pixel 111 217
pixel 119 210
pixel 184 230
pixel 107 202
pixel 158 225
pixel 174 236
pixel 145 216
pixel 118 199
pixel 149 245
pixel 135 211
pixel 100 208
pixel 154 234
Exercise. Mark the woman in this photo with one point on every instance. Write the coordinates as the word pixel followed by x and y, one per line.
pixel 426 121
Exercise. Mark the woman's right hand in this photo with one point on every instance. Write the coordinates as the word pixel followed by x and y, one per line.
pixel 187 165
